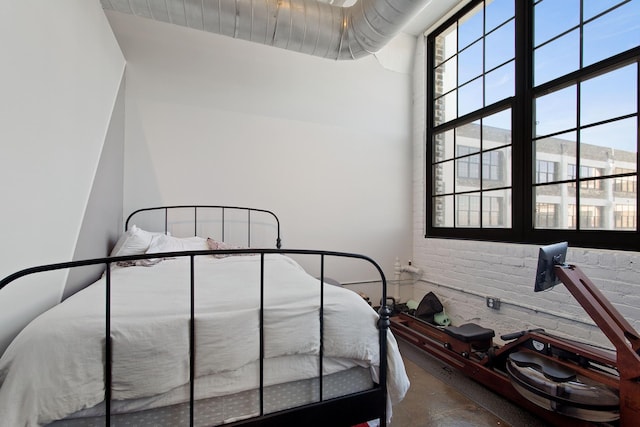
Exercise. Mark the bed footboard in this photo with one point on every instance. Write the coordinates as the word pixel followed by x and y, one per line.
pixel 345 411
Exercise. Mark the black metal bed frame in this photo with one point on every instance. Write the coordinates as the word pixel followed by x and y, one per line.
pixel 341 411
pixel 223 209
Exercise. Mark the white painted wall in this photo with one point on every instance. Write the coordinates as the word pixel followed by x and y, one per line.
pixel 61 69
pixel 324 144
pixel 462 273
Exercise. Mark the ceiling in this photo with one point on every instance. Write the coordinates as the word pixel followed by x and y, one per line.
pixel 335 29
pixel 432 13
pixel 338 2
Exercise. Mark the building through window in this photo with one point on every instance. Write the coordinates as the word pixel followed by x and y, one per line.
pixel 532 131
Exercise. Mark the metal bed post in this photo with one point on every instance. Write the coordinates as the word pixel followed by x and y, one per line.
pixel 249 228
pixel 195 220
pixel 321 314
pixel 222 224
pixel 166 221
pixel 262 352
pixel 384 323
pixel 192 341
pixel 108 350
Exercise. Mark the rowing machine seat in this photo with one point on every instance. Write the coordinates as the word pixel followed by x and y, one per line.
pixel 469 332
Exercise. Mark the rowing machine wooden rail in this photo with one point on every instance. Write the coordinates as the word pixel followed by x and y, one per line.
pixel 621 334
pixel 562 381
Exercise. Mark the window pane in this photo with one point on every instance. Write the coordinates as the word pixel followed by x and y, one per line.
pixel 618 90
pixel 562 198
pixel 468 139
pixel 613 33
pixel 468 173
pixel 500 46
pixel 554 17
pixel 498 12
pixel 625 186
pixel 470 97
pixel 443 179
pixel 500 84
pixel 446 45
pixel 613 143
pixel 470 27
pixel 546 215
pixel 468 210
pixel 445 108
pixel 443 143
pixel 555 112
pixel 592 171
pixel 443 211
pixel 597 205
pixel 445 77
pixel 559 150
pixel 501 120
pixel 496 168
pixel 592 217
pixel 496 209
pixel 625 217
pixel 496 130
pixel 592 8
pixel 557 58
pixel 470 61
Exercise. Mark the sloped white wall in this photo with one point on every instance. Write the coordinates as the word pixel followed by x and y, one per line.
pixel 102 223
pixel 60 74
pixel 324 144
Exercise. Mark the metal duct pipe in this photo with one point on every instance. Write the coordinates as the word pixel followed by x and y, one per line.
pixel 306 26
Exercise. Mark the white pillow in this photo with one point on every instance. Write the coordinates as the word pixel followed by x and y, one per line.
pixel 162 243
pixel 134 241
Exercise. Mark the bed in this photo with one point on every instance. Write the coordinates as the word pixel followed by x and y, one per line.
pixel 203 332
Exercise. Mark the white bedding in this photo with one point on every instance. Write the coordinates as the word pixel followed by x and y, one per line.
pixel 55 366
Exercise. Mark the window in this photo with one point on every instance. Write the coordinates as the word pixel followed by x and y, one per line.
pixel 625 216
pixel 625 184
pixel 590 217
pixel 468 164
pixel 492 214
pixel 546 215
pixel 585 172
pixel 532 131
pixel 545 171
pixel 468 212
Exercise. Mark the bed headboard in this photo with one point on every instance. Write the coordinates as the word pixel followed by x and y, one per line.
pixel 242 226
pixel 234 224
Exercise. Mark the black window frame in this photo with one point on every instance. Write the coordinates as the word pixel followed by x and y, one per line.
pixel 523 164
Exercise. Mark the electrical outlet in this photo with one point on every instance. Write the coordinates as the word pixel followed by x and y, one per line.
pixel 493 303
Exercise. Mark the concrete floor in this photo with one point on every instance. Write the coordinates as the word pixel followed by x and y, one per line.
pixel 440 396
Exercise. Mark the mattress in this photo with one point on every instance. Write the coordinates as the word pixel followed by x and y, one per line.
pixel 150 338
pixel 218 410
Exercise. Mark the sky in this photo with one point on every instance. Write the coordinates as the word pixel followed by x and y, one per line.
pixel 558 43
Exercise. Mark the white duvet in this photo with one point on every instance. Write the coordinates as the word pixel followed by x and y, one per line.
pixel 54 368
